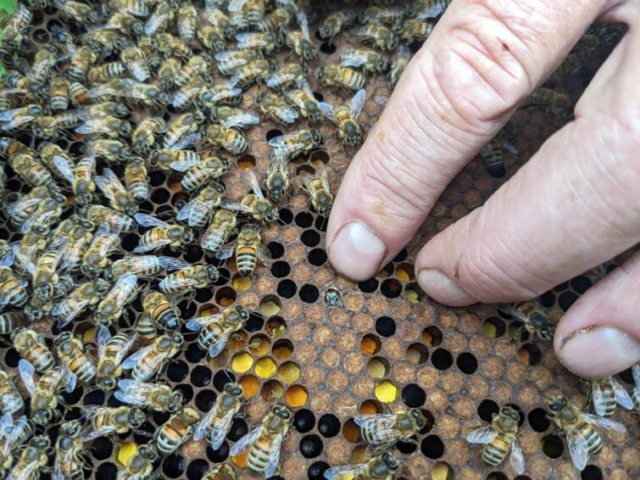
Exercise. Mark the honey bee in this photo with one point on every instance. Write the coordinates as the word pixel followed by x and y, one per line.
pixel 582 438
pixel 30 170
pixel 492 155
pixel 198 172
pixel 229 139
pixel 317 186
pixel 136 63
pixel 220 20
pixel 145 266
pixel 557 103
pixel 24 207
pixel 69 452
pixel 424 9
pixel 347 118
pixel 381 432
pixel 199 211
pixel 379 15
pixel 222 227
pixel 415 31
pixel 15 26
pixel 210 98
pixel 162 16
pixel 48 151
pixel 215 330
pixel 335 76
pixel 211 36
pixel 59 94
pixel 156 396
pixel 81 62
pixel 230 61
pixel 80 12
pixel 111 352
pixel 189 279
pixel 163 313
pixel 11 437
pixel 303 98
pixel 276 109
pixel 162 234
pixel 70 351
pixel 254 72
pixel 292 145
pixel 33 459
pixel 248 250
pixel 125 23
pixel 138 8
pixel 12 289
pixel 11 146
pixel 109 149
pixel 275 20
pixel 75 241
pixel 43 63
pixel 140 464
pixel 112 127
pixel 111 307
pixel 96 258
pixel 45 395
pixel 215 425
pixel 266 42
pixel 184 97
pixel 636 390
pixel 9 322
pixel 45 275
pixel 177 430
pixel 534 320
pixel 112 421
pixel 288 75
pixel 46 213
pixel 265 442
pixel 19 118
pixel 146 332
pixel 369 61
pixel 116 220
pixel 606 393
pixel 499 440
pixel 104 40
pixel 85 296
pixel 184 124
pixel 30 248
pixel 147 362
pixel 106 72
pixel 136 179
pixel 277 179
pixel 337 22
pixel 119 197
pixel 168 72
pixel 220 472
pixel 11 402
pixel 187 17
pixel 30 87
pixel 381 467
pixel 299 40
pixel 199 65
pixel 136 92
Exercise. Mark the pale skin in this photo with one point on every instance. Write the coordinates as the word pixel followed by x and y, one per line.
pixel 573 205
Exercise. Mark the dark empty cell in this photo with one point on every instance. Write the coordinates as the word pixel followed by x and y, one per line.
pixel 73 397
pixel 487 409
pixel 497 172
pixel 317 257
pixel 520 412
pixel 203 295
pixel 329 425
pixel 76 149
pixel 276 477
pixel 201 376
pixel 407 448
pixel 205 400
pixel 391 288
pixel 114 402
pixel 538 420
pixel 318 96
pixel 95 397
pixel 321 224
pixel 197 469
pixel 157 178
pixel 11 358
pixel 177 371
pixel 328 48
pixel 187 391
pixel 287 288
pixel 413 396
pixel 174 465
pixel 401 256
pixel 74 413
pixel 4 234
pixel 280 269
pixel 145 207
pixel 101 448
pixel 311 446
pixel 552 446
pixel 432 447
pixel 304 219
pixel 441 359
pixel 368 286
pixel 467 363
pixel 194 354
pixel 221 378
pixel 415 46
pixel 286 217
pixel 580 284
pixel 276 249
pixel 255 323
pixel 160 418
pixel 137 304
pixel 187 309
pixel 310 238
pixel 316 470
pixel 385 326
pixel 41 36
pixel 591 472
pixel 566 299
pixel 497 476
pixel 303 420
pixel 529 354
pixel 561 287
pixel 271 134
pixel 547 299
pixel 219 455
pixel 309 293
pixel 627 376
pixel 143 434
pixel 238 429
pixel 224 277
pixel 160 196
pixel 106 471
pixel 194 253
pixel 129 242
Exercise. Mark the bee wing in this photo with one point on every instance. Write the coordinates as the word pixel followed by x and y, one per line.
pixel 357 103
pixel 636 374
pixel 177 283
pixel 433 11
pixel 218 434
pixel 353 59
pixel 184 165
pixel 22 204
pixel 14 431
pixel 218 345
pixel 197 324
pixel 345 471
pixel 190 92
pixel 148 221
pixel 186 142
pixel 102 337
pixel 93 126
pixel 65 167
pixel 64 321
pixel 225 252
pixel 279 78
pixel 235 207
pixel 235 5
pixel 152 246
pixel 274 456
pixel 246 441
pixel 622 396
pixel 605 423
pixel 134 392
pixel 578 449
pixel 154 22
pixel 382 425
pixel 482 435
pixel 281 140
pixel 224 56
pixel 288 114
pixel 510 310
pixel 111 176
pixel 516 457
pixel 8 115
pixel 255 184
pixel 326 109
pixel 380 100
pixel 205 425
pixel 170 263
pixel 241 121
pixel 124 287
pixel 17 122
pixel 26 371
pixel 33 219
pixel 303 21
pixel 135 357
pixel 599 400
pixel 8 258
pixel 11 91
pixel 24 260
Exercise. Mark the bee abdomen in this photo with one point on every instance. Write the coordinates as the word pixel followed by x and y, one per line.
pixel 259 456
pixel 166 317
pixel 169 439
pixel 493 453
pixel 593 439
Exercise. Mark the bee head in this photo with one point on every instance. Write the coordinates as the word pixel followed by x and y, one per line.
pixel 390 461
pixel 105 383
pixel 131 208
pixel 320 74
pixel 176 402
pixel 272 214
pixel 557 402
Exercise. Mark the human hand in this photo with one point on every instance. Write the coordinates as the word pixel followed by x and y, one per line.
pixel 573 206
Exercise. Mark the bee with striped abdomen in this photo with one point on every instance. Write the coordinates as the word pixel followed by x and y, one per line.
pixel 116 220
pixel 33 459
pixel 136 179
pixel 199 211
pixel 11 401
pixel 188 279
pixel 30 170
pixel 144 136
pixel 104 73
pixel 248 250
pixel 499 440
pixel 81 62
pixel 112 127
pixel 185 96
pixel 255 204
pixel 215 330
pixel 336 76
pixel 164 158
pixel 303 98
pixel 79 94
pixel 15 26
pixel 46 394
pixel 230 61
pixel 177 430
pixel 199 172
pixel 112 421
pixel 277 179
pixel 163 313
pixel 210 98
pixel 222 227
pixel 369 61
pixel 12 289
pixel 266 42
pixel 337 22
pixel 215 425
pixel 415 31
pixel 146 332
pixel 229 139
pixel 555 102
pixel 162 234
pixel 168 72
pixel 220 20
pixel 9 323
pixel 582 437
pixel 254 72
pixel 606 393
pixel 187 18
pixel 144 266
pixel 111 352
pixel 17 83
pixel 96 258
pixel 70 351
pixel 381 467
pixel 265 442
pixel 277 19
pixel 534 320
pixel 185 124
pixel 299 40
pixel 146 363
pixel 156 396
pixel 287 147
pixel 85 296
pixel 276 109
pixel 69 461
pixel 111 150
pixel 381 432
pixel 211 36
pixel 59 94
pixel 31 347
pixel 12 437
pixel 287 75
pixel 136 63
pixel 163 15
pixel 346 118
pixel 123 292
pixel 222 471
pixel 424 9
pixel 119 197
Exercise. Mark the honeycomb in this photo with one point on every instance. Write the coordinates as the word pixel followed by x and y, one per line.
pixel 387 347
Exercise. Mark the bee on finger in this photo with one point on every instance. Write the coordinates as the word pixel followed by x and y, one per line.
pixel 162 234
pixel 248 250
pixel 346 118
pixel 46 393
pixel 146 363
pixel 111 352
pixel 215 330
pixel 215 425
pixel 123 292
pixel 415 31
pixel 380 467
pixel 177 430
pixel 156 396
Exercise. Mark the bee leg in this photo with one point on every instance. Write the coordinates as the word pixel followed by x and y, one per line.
pixel 517 337
pixel 143 433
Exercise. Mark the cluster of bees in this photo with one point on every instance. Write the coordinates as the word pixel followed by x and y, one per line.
pixel 109 84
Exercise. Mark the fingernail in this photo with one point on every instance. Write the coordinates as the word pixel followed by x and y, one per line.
pixel 357 252
pixel 599 352
pixel 439 287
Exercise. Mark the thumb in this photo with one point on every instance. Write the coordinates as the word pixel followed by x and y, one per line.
pixel 483 58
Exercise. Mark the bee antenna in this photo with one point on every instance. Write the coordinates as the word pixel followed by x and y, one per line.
pixel 226 372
